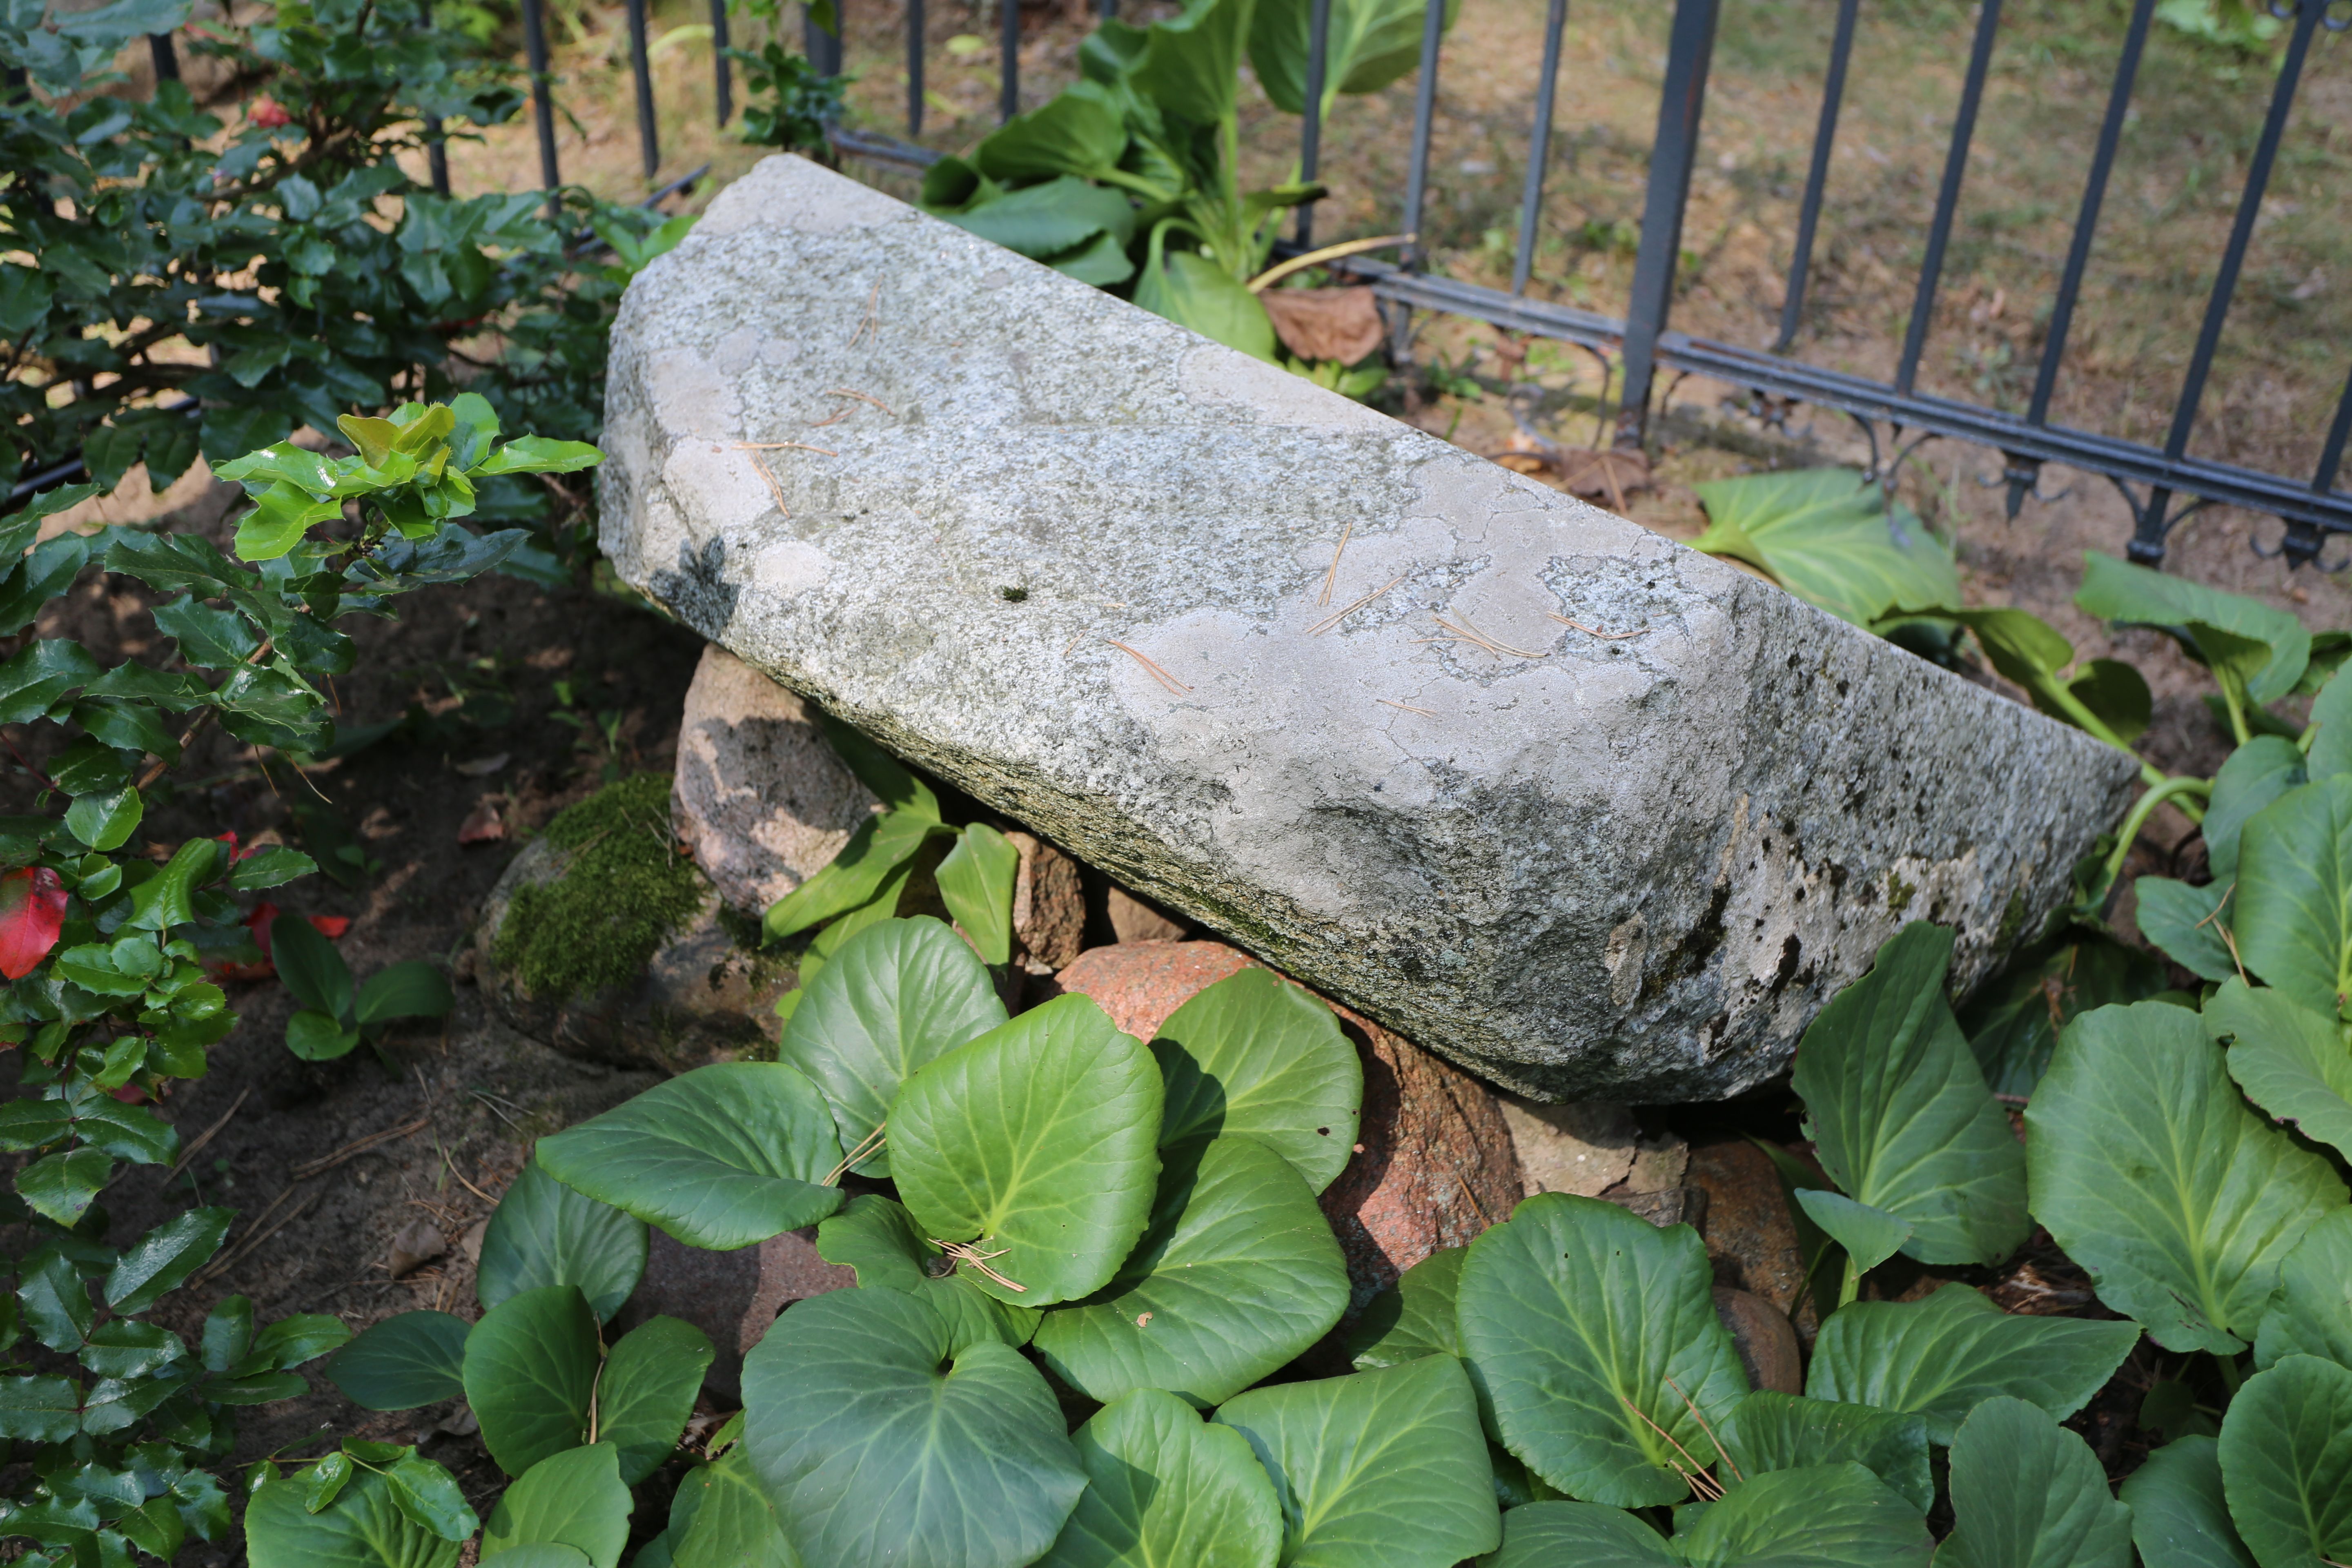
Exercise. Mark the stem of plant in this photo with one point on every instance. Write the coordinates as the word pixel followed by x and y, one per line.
pixel 1851 1287
pixel 2227 1366
pixel 2142 808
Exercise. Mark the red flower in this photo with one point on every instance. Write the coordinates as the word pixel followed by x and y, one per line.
pixel 267 113
pixel 32 909
pixel 258 923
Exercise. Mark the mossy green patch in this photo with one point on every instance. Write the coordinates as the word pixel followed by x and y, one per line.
pixel 623 891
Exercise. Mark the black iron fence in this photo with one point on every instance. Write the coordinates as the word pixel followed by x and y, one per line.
pixel 2163 485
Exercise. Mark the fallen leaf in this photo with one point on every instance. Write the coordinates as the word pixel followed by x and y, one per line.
pixel 483 767
pixel 1611 474
pixel 483 824
pixel 1340 324
pixel 418 1244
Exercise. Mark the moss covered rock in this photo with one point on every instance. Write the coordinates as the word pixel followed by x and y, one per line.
pixel 605 941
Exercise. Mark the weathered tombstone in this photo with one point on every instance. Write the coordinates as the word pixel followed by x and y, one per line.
pixel 1539 789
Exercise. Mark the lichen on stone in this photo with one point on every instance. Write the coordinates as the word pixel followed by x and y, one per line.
pixel 624 890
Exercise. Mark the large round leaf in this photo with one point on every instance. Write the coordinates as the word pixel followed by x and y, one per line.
pixel 530 1374
pixel 2027 1493
pixel 1772 1431
pixel 545 1233
pixel 2311 1312
pixel 573 1498
pixel 1413 1318
pixel 2152 1173
pixel 1593 1338
pixel 2180 1517
pixel 732 1524
pixel 880 1442
pixel 880 1240
pixel 1036 1143
pixel 723 1157
pixel 1825 1515
pixel 2286 1463
pixel 1832 540
pixel 405 1361
pixel 899 996
pixel 1378 1470
pixel 1238 1274
pixel 1900 1114
pixel 2290 1061
pixel 363 1529
pixel 2294 919
pixel 1253 1054
pixel 1939 1358
pixel 1163 1487
pixel 651 1376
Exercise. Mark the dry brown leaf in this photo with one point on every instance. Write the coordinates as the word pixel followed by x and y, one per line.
pixel 483 824
pixel 1325 323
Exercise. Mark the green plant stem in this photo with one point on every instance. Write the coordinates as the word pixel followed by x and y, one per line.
pixel 2136 818
pixel 1850 1286
pixel 2227 1367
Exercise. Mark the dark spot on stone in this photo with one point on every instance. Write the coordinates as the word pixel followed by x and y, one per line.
pixel 1790 952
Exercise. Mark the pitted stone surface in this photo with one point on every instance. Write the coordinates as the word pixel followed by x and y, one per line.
pixel 936 487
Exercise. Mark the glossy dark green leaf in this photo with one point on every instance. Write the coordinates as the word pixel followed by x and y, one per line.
pixel 529 1374
pixel 61 1187
pixel 1771 1431
pixel 2186 924
pixel 365 1529
pixel 573 1498
pixel 316 1038
pixel 722 1157
pixel 429 1496
pixel 2293 1062
pixel 881 1241
pixel 731 1523
pixel 976 882
pixel 1580 1321
pixel 105 821
pixel 311 968
pixel 2180 1518
pixel 651 1376
pixel 1164 1489
pixel 39 1409
pixel 895 997
pixel 2013 1022
pixel 410 990
pixel 1253 1054
pixel 296 1341
pixel 326 1481
pixel 57 1310
pixel 164 900
pixel 1036 1142
pixel 407 1360
pixel 544 1232
pixel 1827 1516
pixel 1869 1236
pixel 2152 1173
pixel 2293 911
pixel 125 1347
pixel 1413 1318
pixel 1377 1470
pixel 2027 1493
pixel 42 671
pixel 164 1257
pixel 1901 1117
pixel 2287 1462
pixel 1941 1357
pixel 1238 1274
pixel 879 1442
pixel 2311 1312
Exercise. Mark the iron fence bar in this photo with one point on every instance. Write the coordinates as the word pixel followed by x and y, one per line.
pixel 436 155
pixel 2147 539
pixel 1538 146
pixel 1947 197
pixel 1817 177
pixel 2224 483
pixel 642 69
pixel 916 29
pixel 1681 101
pixel 1310 124
pixel 2331 456
pixel 723 72
pixel 2086 222
pixel 166 57
pixel 821 48
pixel 542 107
pixel 1424 125
pixel 1107 9
pixel 1008 99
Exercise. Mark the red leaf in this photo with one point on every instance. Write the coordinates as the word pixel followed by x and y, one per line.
pixel 267 113
pixel 258 924
pixel 32 910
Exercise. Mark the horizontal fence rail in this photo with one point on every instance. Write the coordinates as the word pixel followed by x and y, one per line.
pixel 2162 485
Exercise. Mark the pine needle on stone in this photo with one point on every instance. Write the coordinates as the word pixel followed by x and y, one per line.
pixel 1332 575
pixel 1596 631
pixel 1157 674
pixel 1333 619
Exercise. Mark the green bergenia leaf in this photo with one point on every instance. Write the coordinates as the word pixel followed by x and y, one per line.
pixel 1164 1488
pixel 2287 1462
pixel 2311 1312
pixel 1255 1055
pixel 545 1233
pixel 573 1498
pixel 2290 1061
pixel 1831 539
pixel 2027 1493
pixel 2180 1518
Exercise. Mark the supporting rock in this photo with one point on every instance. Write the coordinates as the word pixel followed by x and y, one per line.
pixel 1553 794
